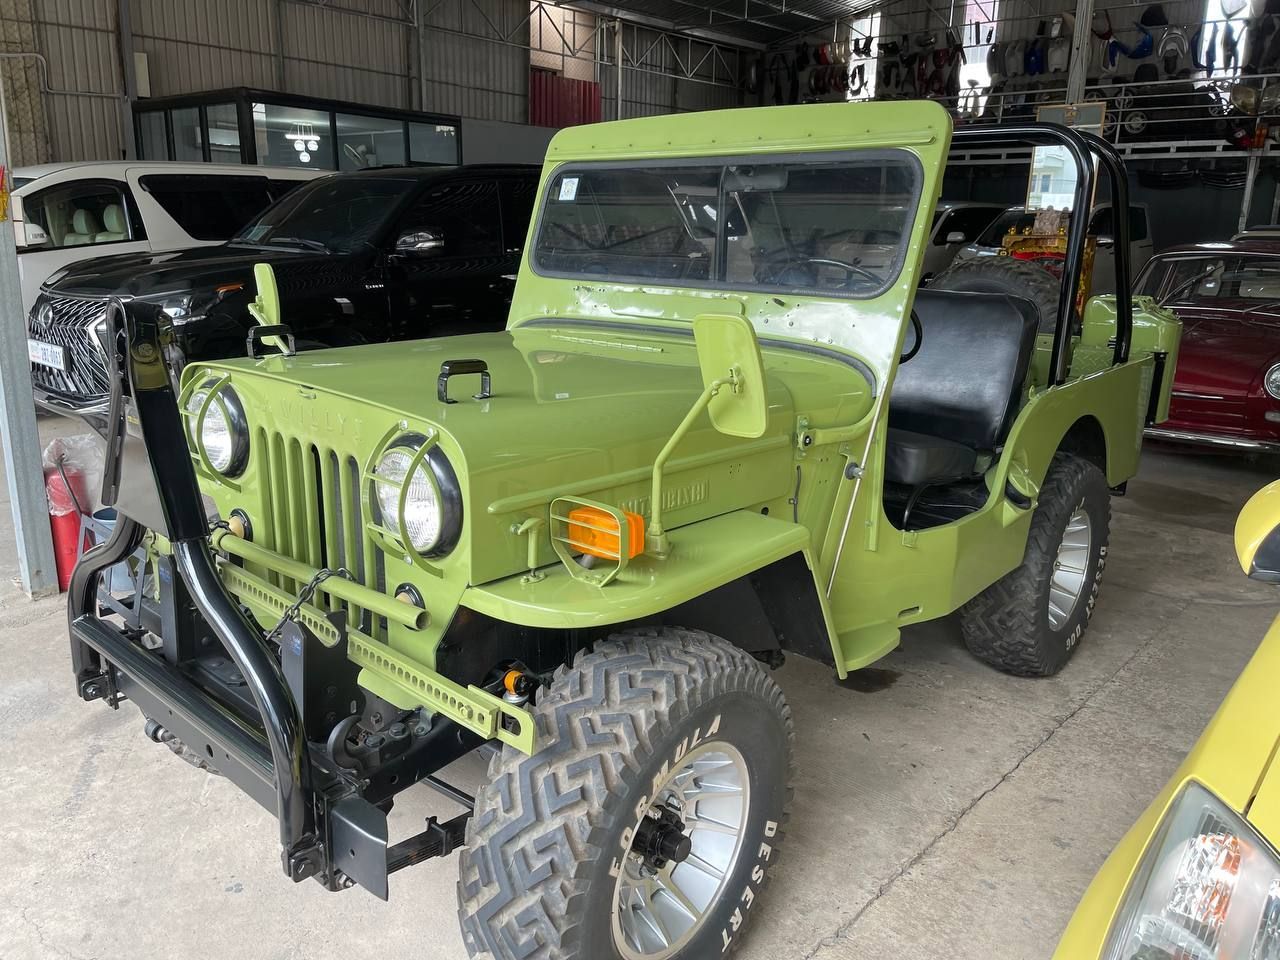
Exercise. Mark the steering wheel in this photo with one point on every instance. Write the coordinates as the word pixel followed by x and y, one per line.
pixel 919 330
pixel 780 264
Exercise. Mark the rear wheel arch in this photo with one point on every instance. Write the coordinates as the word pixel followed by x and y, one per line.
pixel 1087 440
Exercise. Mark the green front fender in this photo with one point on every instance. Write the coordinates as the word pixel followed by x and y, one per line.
pixel 703 556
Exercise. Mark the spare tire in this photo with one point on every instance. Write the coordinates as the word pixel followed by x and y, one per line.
pixel 1017 278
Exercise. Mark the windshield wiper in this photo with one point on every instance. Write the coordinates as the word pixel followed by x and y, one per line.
pixel 303 242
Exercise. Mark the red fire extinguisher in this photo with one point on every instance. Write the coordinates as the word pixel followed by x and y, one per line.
pixel 64 488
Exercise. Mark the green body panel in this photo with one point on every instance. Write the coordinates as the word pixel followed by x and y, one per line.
pixel 887 578
pixel 703 555
pixel 592 379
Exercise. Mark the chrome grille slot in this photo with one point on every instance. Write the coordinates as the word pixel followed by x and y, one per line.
pixel 314 495
pixel 68 325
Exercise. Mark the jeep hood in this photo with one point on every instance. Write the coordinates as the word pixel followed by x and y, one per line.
pixel 568 414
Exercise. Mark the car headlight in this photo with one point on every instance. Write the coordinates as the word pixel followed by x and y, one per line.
pixel 43 314
pixel 177 308
pixel 222 433
pixel 1271 382
pixel 1208 888
pixel 432 516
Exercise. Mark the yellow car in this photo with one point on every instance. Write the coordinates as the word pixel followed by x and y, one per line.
pixel 1198 876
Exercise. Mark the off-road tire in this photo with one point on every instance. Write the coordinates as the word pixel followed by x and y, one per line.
pixel 537 877
pixel 1007 625
pixel 1016 278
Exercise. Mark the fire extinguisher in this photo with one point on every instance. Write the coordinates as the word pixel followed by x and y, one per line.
pixel 64 488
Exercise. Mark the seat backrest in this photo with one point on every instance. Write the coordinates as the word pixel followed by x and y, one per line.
pixel 966 382
pixel 113 225
pixel 84 227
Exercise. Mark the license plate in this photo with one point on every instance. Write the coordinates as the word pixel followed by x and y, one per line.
pixel 47 354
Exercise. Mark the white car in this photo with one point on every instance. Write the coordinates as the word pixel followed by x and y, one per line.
pixel 955 223
pixel 67 212
pixel 1104 258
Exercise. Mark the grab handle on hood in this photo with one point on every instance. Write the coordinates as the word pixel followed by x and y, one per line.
pixel 456 368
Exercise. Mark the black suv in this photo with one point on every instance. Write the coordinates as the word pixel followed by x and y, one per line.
pixel 392 254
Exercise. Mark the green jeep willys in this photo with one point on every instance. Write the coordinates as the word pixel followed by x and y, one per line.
pixel 722 424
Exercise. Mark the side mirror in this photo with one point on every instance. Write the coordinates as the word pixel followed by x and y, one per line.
pixel 733 394
pixel 1258 535
pixel 729 352
pixel 265 310
pixel 956 236
pixel 419 243
pixel 1106 240
pixel 33 235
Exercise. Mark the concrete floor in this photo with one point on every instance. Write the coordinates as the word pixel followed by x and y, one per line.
pixel 942 809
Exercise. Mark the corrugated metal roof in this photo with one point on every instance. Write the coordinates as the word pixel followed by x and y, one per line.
pixel 753 22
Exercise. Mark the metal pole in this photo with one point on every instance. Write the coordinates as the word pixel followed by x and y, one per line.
pixel 617 56
pixel 1079 66
pixel 23 473
pixel 277 15
pixel 124 36
pixel 420 16
pixel 1250 178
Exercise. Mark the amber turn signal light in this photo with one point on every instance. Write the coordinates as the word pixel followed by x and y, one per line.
pixel 597 533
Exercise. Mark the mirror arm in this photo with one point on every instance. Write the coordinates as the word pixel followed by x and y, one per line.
pixel 655 538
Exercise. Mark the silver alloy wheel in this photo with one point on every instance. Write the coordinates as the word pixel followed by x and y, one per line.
pixel 1070 567
pixel 657 911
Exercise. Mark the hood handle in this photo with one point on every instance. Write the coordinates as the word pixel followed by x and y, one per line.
pixel 456 368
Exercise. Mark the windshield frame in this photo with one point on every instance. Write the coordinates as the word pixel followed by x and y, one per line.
pixel 817 158
pixel 297 196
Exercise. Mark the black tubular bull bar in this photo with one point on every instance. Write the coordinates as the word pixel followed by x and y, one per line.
pixel 155 482
pixel 332 821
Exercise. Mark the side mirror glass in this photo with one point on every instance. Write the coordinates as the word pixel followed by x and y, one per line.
pixel 728 352
pixel 1257 535
pixel 419 243
pixel 956 236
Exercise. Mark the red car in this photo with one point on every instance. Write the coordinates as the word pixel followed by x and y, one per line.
pixel 1226 388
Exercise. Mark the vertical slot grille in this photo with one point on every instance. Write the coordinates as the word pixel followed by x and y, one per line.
pixel 313 493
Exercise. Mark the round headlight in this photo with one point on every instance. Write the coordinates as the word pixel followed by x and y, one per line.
pixel 432 505
pixel 222 434
pixel 1271 382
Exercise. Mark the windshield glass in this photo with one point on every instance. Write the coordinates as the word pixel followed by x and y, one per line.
pixel 336 214
pixel 838 225
pixel 1224 278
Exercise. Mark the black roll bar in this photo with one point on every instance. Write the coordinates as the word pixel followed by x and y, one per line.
pixel 1119 179
pixel 1083 148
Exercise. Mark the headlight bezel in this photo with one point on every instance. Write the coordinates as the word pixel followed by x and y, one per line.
pixel 203 397
pixel 425 455
pixel 1152 883
pixel 1273 391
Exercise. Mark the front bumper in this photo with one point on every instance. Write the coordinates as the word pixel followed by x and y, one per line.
pixel 91 409
pixel 333 825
